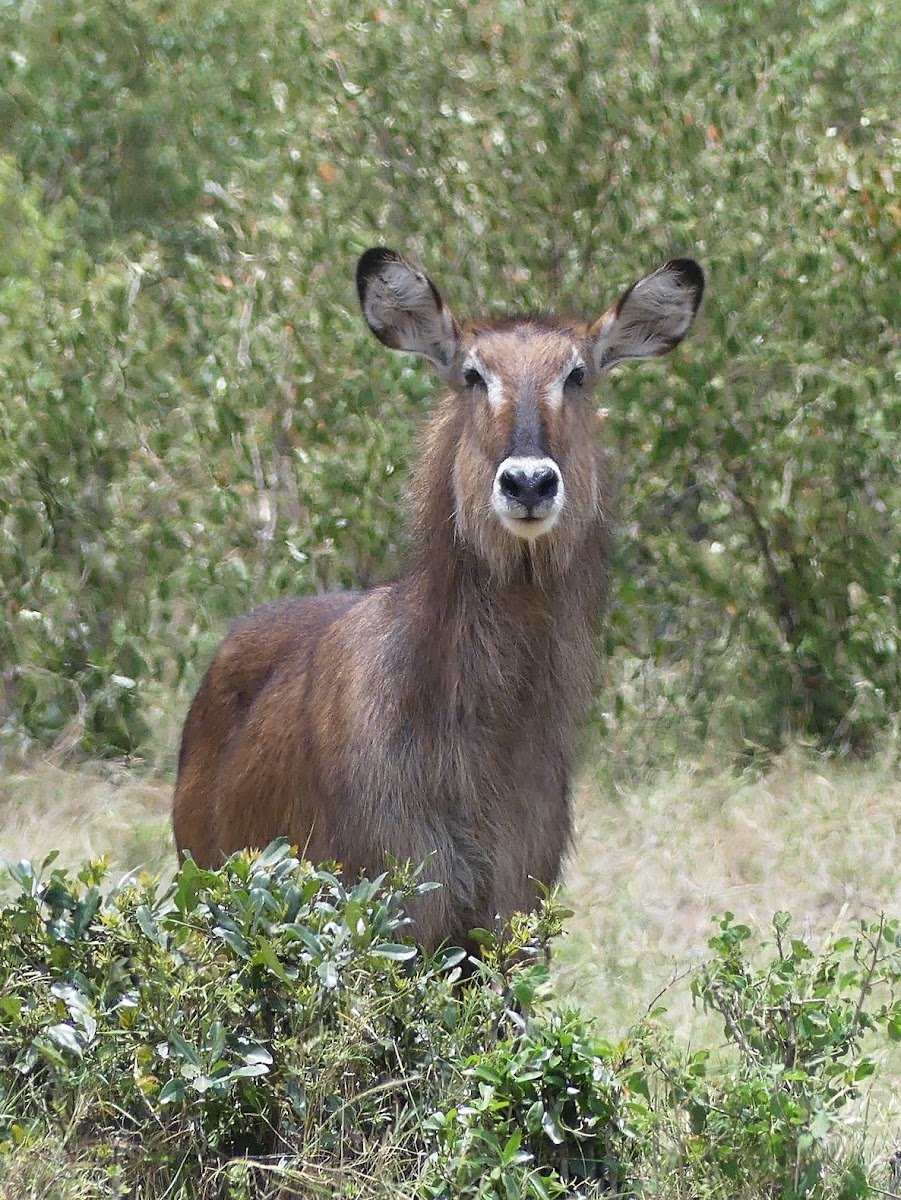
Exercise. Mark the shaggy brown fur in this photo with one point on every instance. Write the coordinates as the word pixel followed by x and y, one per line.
pixel 432 717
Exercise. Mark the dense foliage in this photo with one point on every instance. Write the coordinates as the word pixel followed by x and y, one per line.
pixel 193 420
pixel 265 1031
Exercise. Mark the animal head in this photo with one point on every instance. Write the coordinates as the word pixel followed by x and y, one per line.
pixel 520 406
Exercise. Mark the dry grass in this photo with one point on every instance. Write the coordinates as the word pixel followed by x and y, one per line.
pixel 84 812
pixel 652 865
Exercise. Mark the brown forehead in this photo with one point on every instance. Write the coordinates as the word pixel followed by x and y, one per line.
pixel 524 346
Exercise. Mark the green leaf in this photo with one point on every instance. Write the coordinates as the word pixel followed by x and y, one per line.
pixel 781 921
pixel 184 1050
pixel 11 1008
pixel 483 937
pixel 328 973
pixel 551 1127
pixel 539 1187
pixel 488 1072
pixel 257 1054
pixel 85 911
pixel 274 853
pixel 265 956
pixel 189 883
pixel 394 951
pixel 534 1116
pixel 250 1070
pixel 510 1150
pixel 67 1038
pixel 147 925
pixel 239 944
pixel 172 1092
pixel 449 957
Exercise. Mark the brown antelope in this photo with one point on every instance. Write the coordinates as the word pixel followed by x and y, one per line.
pixel 432 717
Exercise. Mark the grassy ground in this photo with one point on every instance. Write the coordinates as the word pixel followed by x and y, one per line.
pixel 652 863
pixel 85 812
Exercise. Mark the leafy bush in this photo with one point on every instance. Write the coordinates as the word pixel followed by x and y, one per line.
pixel 764 1117
pixel 264 1030
pixel 264 1021
pixel 194 420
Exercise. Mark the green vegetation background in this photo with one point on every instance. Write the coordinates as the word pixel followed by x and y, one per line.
pixel 193 419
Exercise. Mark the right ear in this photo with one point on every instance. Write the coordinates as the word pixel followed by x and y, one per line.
pixel 404 309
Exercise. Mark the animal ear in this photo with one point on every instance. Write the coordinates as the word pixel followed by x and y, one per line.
pixel 404 309
pixel 650 318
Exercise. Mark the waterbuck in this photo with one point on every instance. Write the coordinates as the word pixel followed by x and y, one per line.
pixel 433 717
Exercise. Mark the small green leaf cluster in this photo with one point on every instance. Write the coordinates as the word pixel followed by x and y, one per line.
pixel 554 1091
pixel 268 1023
pixel 764 1115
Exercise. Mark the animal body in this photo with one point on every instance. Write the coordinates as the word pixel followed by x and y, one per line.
pixel 433 717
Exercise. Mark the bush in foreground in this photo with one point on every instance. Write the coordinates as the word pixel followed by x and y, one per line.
pixel 263 1030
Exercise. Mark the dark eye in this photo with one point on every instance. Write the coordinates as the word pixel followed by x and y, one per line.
pixel 472 378
pixel 575 378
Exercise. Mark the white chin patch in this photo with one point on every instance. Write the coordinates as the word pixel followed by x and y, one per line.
pixel 528 528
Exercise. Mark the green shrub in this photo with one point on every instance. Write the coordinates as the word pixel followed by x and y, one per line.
pixel 264 1021
pixel 265 1030
pixel 765 1116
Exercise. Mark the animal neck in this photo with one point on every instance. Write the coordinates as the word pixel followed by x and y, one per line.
pixel 499 638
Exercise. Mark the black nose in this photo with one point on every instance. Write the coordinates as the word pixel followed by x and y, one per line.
pixel 529 488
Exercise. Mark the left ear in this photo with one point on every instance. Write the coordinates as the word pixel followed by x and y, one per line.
pixel 652 317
